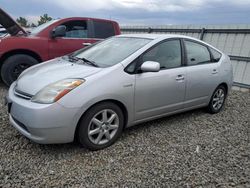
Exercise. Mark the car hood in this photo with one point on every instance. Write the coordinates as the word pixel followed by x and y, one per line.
pixel 37 77
pixel 10 25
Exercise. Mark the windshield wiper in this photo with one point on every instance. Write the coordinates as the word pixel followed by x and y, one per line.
pixel 89 62
pixel 74 59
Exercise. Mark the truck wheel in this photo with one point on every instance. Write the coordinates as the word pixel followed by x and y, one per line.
pixel 14 65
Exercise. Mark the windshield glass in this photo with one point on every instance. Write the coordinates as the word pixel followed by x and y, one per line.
pixel 112 51
pixel 39 28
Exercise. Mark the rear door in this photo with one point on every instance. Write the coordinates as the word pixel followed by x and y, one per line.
pixel 202 73
pixel 161 92
pixel 78 35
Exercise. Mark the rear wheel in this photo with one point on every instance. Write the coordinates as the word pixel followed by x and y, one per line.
pixel 101 126
pixel 217 100
pixel 14 66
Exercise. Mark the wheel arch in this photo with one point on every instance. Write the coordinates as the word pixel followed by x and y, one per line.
pixel 20 51
pixel 224 84
pixel 117 102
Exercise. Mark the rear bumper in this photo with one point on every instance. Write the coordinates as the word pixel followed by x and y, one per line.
pixel 42 123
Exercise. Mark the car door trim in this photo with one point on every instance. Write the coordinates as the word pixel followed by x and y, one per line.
pixel 167 114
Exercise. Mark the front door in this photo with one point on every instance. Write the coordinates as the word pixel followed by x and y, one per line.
pixel 158 93
pixel 77 37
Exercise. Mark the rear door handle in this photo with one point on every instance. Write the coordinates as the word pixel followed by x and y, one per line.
pixel 214 71
pixel 179 78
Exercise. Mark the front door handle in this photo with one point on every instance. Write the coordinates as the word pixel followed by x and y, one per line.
pixel 86 44
pixel 214 71
pixel 179 78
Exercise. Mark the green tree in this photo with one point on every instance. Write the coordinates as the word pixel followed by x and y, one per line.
pixel 33 25
pixel 43 19
pixel 22 21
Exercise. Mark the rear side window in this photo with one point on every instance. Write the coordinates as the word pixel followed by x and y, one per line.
pixel 216 55
pixel 196 53
pixel 103 30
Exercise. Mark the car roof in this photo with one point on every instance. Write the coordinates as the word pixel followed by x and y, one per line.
pixel 86 18
pixel 156 36
pixel 160 37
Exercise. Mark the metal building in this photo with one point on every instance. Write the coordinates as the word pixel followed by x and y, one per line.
pixel 233 40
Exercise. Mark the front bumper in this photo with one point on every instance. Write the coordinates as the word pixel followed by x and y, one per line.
pixel 42 123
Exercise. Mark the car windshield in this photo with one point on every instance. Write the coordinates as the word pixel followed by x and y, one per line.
pixel 39 28
pixel 111 51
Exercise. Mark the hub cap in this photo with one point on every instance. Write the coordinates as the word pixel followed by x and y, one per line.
pixel 218 99
pixel 103 127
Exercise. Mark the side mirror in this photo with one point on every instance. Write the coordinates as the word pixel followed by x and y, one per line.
pixel 150 66
pixel 59 31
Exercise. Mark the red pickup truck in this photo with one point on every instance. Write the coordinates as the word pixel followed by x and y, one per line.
pixel 21 49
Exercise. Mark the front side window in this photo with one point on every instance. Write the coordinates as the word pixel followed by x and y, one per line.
pixel 196 53
pixel 112 51
pixel 76 29
pixel 168 54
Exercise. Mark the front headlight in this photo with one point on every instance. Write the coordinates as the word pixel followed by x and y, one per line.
pixel 57 90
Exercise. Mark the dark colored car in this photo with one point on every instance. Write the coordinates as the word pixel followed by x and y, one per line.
pixel 21 49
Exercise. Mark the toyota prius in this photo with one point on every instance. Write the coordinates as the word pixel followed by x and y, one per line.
pixel 92 94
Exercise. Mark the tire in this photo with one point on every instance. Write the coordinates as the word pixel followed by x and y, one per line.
pixel 96 132
pixel 218 97
pixel 14 65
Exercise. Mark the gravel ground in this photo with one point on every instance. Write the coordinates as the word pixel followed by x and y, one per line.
pixel 193 149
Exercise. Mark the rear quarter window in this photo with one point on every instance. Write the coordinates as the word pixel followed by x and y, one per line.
pixel 103 30
pixel 216 55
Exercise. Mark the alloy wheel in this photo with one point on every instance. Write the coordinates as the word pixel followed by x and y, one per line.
pixel 103 127
pixel 218 99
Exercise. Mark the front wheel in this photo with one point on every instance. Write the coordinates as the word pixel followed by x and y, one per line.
pixel 101 126
pixel 217 100
pixel 14 66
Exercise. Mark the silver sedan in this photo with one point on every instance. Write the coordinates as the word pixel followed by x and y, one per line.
pixel 93 94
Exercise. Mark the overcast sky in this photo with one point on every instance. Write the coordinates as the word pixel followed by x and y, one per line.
pixel 141 12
